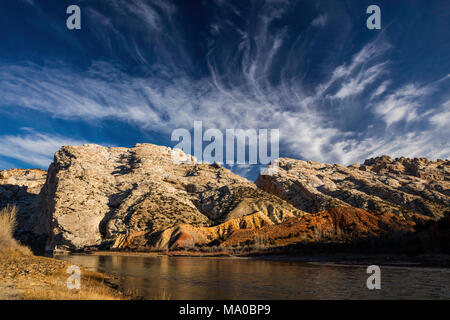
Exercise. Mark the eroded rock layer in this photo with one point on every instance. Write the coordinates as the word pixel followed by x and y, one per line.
pixel 402 186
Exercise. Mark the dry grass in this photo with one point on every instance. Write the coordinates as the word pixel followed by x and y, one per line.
pixel 93 287
pixel 8 224
pixel 164 296
pixel 41 278
pixel 29 277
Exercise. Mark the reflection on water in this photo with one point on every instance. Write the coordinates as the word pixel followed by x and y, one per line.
pixel 226 278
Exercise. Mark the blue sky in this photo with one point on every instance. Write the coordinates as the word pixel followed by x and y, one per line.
pixel 137 70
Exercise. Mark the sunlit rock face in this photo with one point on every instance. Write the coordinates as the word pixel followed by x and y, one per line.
pixel 98 196
pixel 138 198
pixel 401 186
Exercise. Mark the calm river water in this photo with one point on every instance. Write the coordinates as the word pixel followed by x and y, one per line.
pixel 195 278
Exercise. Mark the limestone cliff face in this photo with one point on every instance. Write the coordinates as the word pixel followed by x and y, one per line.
pixel 21 187
pixel 138 198
pixel 98 196
pixel 402 186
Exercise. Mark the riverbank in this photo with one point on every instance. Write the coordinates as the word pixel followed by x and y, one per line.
pixel 180 253
pixel 28 277
pixel 25 276
pixel 386 259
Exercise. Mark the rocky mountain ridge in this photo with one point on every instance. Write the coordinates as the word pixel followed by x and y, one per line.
pixel 402 186
pixel 95 197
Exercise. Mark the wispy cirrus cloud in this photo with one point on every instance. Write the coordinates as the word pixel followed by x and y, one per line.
pixel 403 104
pixel 254 76
pixel 360 81
pixel 356 74
pixel 34 148
pixel 441 118
pixel 411 144
pixel 381 88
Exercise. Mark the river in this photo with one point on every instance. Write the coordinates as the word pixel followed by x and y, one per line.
pixel 202 278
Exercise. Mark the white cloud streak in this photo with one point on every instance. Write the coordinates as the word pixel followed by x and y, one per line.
pixel 33 148
pixel 403 104
pixel 441 118
pixel 359 83
pixel 238 92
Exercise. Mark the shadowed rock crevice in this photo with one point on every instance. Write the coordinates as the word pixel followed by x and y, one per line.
pixel 114 203
pixel 21 188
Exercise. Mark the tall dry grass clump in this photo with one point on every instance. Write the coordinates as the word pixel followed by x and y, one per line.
pixel 8 224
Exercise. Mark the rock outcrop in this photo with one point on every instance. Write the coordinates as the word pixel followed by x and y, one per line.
pixel 102 197
pixel 339 225
pixel 140 199
pixel 186 236
pixel 21 187
pixel 409 187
